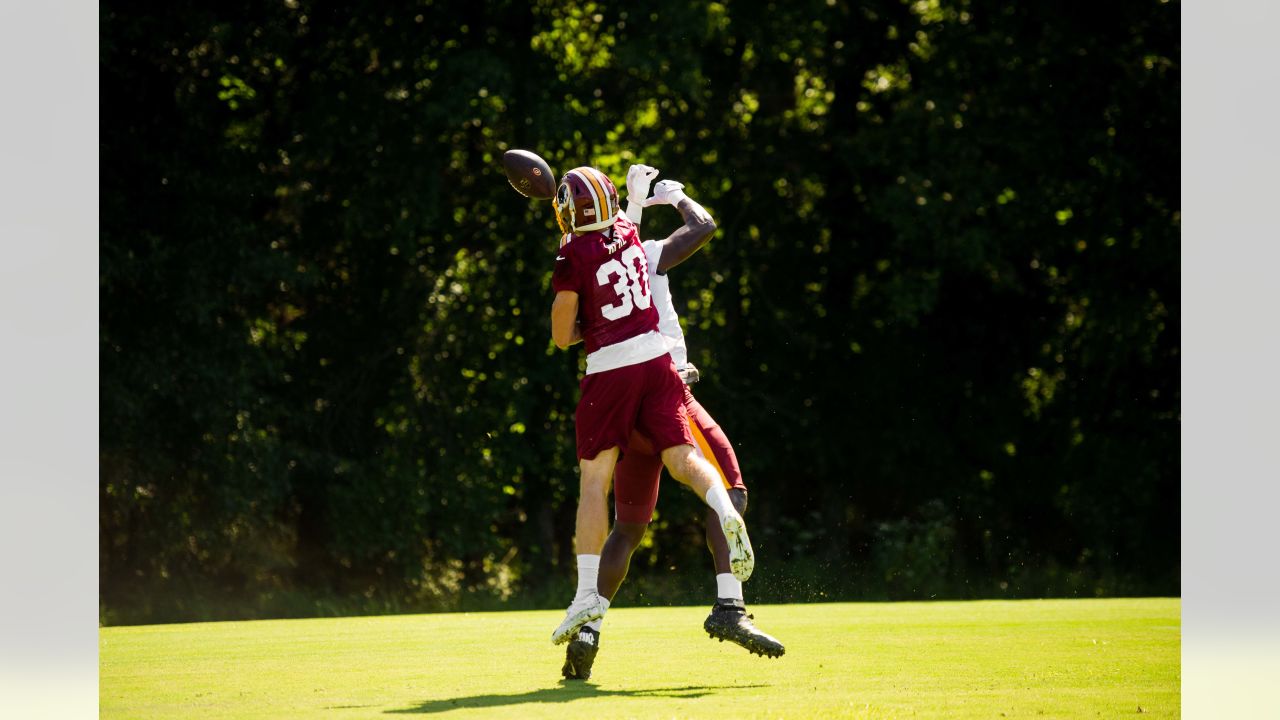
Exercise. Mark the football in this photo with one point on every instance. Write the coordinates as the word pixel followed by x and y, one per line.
pixel 529 174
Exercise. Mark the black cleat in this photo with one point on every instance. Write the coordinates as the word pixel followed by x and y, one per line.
pixel 729 621
pixel 581 654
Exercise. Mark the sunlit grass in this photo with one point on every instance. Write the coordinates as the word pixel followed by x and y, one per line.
pixel 1053 658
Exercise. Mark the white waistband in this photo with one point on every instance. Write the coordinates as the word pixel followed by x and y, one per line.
pixel 631 351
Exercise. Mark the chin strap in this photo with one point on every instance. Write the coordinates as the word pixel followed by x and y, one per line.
pixel 555 210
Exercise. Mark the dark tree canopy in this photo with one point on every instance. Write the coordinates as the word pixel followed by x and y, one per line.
pixel 939 321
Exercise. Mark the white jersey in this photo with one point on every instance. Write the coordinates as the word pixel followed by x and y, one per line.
pixel 668 320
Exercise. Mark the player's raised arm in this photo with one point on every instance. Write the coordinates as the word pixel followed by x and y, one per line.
pixel 696 231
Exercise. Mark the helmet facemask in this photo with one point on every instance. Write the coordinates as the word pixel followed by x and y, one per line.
pixel 563 204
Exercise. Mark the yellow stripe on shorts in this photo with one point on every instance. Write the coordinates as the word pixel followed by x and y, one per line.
pixel 705 448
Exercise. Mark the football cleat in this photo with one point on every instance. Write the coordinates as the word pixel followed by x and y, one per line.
pixel 581 612
pixel 729 621
pixel 581 655
pixel 742 559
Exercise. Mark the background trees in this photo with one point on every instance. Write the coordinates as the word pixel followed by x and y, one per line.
pixel 940 319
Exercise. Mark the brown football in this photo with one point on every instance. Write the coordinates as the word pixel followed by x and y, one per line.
pixel 529 174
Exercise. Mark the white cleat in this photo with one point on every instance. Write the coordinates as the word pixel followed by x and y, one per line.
pixel 742 560
pixel 579 613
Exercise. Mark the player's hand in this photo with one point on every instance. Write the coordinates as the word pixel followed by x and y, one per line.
pixel 639 177
pixel 666 192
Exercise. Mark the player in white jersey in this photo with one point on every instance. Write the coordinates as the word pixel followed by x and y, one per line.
pixel 637 473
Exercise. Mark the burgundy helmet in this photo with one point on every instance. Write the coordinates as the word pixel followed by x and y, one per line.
pixel 586 200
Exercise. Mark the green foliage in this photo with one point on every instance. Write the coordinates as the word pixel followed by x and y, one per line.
pixel 947 229
pixel 914 557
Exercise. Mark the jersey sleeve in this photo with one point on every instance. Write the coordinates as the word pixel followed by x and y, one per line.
pixel 652 254
pixel 563 277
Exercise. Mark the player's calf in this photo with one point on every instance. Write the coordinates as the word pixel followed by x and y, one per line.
pixel 615 559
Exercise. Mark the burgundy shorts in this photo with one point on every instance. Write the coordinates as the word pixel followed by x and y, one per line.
pixel 647 397
pixel 635 480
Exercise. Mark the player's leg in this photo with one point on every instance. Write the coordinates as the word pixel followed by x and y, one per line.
pixel 728 619
pixel 592 524
pixel 664 418
pixel 615 559
pixel 589 538
pixel 727 586
pixel 688 466
pixel 714 445
pixel 604 421
pixel 635 494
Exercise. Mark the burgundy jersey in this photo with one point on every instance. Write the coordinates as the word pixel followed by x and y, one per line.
pixel 609 272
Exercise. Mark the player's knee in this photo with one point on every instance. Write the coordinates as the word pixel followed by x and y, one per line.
pixel 631 533
pixel 738 496
pixel 677 457
pixel 682 461
pixel 593 484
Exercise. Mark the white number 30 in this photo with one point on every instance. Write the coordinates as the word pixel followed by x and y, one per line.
pixel 632 285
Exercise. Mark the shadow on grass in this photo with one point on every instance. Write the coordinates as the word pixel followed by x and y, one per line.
pixel 568 691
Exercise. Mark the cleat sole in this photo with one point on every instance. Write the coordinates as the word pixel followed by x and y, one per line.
pixel 742 560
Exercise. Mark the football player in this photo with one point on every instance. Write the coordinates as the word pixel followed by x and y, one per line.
pixel 601 281
pixel 639 470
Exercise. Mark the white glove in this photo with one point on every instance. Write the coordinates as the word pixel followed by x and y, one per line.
pixel 666 192
pixel 639 177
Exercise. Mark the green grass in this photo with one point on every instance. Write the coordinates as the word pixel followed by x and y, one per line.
pixel 1037 658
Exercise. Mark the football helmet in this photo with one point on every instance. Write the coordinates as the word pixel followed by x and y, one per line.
pixel 586 200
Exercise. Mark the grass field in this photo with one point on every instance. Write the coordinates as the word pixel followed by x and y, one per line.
pixel 1030 659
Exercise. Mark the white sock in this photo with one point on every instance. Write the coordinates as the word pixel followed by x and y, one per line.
pixel 728 587
pixel 718 500
pixel 588 575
